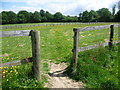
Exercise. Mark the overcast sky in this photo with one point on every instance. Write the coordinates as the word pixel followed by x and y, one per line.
pixel 66 7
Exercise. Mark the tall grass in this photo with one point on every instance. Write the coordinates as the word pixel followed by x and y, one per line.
pixel 97 68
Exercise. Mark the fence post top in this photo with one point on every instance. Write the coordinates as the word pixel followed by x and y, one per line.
pixel 111 26
pixel 34 31
pixel 31 32
pixel 75 29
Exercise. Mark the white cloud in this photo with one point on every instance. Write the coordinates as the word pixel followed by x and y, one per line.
pixel 73 7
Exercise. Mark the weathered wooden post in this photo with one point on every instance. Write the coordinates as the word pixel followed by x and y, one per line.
pixel 111 36
pixel 75 50
pixel 35 38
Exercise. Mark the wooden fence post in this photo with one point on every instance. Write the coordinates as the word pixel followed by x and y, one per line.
pixel 111 36
pixel 35 38
pixel 75 50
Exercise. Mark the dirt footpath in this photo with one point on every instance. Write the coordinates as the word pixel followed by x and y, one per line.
pixel 58 79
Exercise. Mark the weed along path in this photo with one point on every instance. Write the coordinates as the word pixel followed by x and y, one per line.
pixel 58 79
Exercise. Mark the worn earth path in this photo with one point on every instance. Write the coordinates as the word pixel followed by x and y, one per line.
pixel 58 79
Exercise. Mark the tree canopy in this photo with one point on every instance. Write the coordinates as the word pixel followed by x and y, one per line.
pixel 23 16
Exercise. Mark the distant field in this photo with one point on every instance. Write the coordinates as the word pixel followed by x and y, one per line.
pixel 56 42
pixel 53 23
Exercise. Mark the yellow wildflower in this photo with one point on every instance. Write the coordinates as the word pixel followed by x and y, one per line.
pixel 4 67
pixel 6 71
pixel 10 71
pixel 3 72
pixel 15 70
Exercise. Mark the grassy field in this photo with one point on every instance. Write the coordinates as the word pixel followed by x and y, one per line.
pixel 56 45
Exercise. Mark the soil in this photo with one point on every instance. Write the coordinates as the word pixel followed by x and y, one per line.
pixel 58 79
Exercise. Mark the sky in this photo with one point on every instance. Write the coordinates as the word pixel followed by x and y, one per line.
pixel 66 7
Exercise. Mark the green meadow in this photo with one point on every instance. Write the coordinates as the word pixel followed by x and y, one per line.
pixel 56 44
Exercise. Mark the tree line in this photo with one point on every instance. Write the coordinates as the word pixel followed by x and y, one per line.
pixel 23 16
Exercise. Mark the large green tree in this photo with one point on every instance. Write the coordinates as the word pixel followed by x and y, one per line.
pixel 49 16
pixel 23 16
pixel 80 17
pixel 117 16
pixel 31 15
pixel 93 16
pixel 36 17
pixel 58 17
pixel 104 15
pixel 4 18
pixel 9 17
pixel 42 14
pixel 85 16
pixel 12 17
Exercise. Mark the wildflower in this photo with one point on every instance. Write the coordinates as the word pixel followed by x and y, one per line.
pixel 7 80
pixel 10 71
pixel 6 71
pixel 4 67
pixel 3 76
pixel 3 72
pixel 15 70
